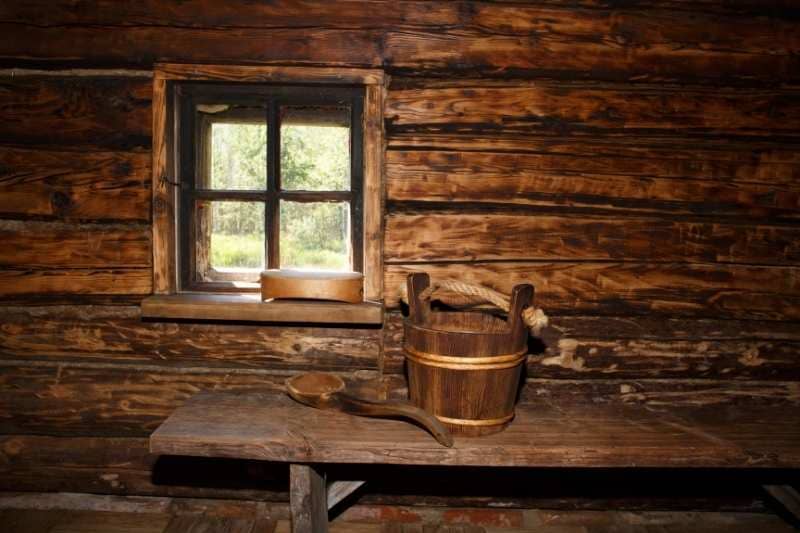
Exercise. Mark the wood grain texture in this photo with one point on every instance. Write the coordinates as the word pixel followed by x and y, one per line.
pixel 274 428
pixel 374 190
pixel 593 347
pixel 118 334
pixel 308 499
pixel 744 161
pixel 76 285
pixel 74 185
pixel 663 393
pixel 45 244
pixel 93 112
pixel 626 185
pixel 142 46
pixel 560 39
pixel 629 287
pixel 163 199
pixel 250 307
pixel 125 466
pixel 474 236
pixel 269 74
pixel 113 399
pixel 589 109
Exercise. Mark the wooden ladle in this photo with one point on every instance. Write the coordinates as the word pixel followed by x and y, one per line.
pixel 327 391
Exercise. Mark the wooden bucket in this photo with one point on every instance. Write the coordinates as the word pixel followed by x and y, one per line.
pixel 465 367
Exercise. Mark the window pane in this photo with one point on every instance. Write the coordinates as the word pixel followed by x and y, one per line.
pixel 315 148
pixel 230 240
pixel 233 147
pixel 315 235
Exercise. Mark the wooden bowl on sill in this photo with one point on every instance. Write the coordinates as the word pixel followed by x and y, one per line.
pixel 312 285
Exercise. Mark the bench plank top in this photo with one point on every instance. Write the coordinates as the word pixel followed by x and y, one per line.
pixel 273 427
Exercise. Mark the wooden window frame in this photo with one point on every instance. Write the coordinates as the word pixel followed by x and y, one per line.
pixel 190 131
pixel 166 242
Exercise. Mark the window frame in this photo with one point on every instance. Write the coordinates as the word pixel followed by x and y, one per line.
pixel 271 98
pixel 164 185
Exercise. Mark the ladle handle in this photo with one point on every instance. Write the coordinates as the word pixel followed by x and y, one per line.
pixel 364 407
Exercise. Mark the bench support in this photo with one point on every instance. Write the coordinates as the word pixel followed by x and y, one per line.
pixel 311 497
pixel 308 499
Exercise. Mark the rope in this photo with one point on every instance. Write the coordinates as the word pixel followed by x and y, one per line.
pixel 533 317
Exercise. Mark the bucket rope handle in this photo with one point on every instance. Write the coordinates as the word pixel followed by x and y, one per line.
pixel 534 317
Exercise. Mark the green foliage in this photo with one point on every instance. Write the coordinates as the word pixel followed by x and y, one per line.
pixel 313 235
pixel 236 251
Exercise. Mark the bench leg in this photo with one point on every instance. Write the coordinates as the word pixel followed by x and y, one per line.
pixel 308 499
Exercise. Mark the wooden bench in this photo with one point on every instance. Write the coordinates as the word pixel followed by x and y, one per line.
pixel 272 427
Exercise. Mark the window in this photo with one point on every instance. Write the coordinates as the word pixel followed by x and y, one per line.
pixel 263 167
pixel 270 177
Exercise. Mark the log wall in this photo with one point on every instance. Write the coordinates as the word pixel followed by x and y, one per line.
pixel 639 162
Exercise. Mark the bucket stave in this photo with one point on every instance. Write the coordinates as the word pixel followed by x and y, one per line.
pixel 465 367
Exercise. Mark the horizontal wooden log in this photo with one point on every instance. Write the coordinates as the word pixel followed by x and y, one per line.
pixel 610 44
pixel 142 46
pixel 663 392
pixel 616 288
pixel 470 236
pixel 520 17
pixel 126 466
pixel 546 180
pixel 558 40
pixel 96 112
pixel 751 161
pixel 74 185
pixel 592 109
pixel 118 334
pixel 113 399
pixel 48 244
pixel 53 285
pixel 587 348
pixel 243 14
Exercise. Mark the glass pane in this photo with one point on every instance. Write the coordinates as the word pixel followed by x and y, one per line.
pixel 230 240
pixel 315 235
pixel 315 148
pixel 233 151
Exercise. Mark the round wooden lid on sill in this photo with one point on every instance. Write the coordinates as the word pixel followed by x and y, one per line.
pixel 312 285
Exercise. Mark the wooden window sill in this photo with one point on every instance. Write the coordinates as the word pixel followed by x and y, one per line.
pixel 250 308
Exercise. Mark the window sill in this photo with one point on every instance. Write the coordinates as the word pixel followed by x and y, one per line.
pixel 250 308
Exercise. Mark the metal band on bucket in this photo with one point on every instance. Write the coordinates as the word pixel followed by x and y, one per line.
pixel 495 362
pixel 475 422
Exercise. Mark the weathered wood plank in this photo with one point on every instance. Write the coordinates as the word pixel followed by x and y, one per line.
pixel 565 435
pixel 753 161
pixel 111 399
pixel 464 235
pixel 519 17
pixel 546 180
pixel 96 113
pixel 557 40
pixel 622 288
pixel 307 499
pixel 112 333
pixel 592 109
pixel 69 284
pixel 74 185
pixel 51 244
pixel 142 46
pixel 591 349
pixel 242 14
pixel 114 465
pixel 662 393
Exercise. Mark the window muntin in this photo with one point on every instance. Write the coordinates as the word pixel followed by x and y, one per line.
pixel 308 194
